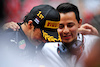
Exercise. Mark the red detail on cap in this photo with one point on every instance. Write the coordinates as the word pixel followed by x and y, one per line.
pixel 48 24
pixel 51 24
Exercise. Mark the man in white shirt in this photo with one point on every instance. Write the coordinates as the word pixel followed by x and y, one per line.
pixel 74 46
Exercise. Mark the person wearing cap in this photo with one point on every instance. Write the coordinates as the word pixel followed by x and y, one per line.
pixel 23 48
pixel 74 47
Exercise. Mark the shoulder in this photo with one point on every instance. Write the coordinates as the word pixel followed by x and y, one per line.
pixel 89 42
pixel 7 36
pixel 8 31
pixel 90 38
pixel 50 47
pixel 50 52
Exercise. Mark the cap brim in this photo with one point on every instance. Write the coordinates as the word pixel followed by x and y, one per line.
pixel 51 36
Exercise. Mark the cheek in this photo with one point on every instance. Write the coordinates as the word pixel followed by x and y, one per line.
pixel 37 35
pixel 74 31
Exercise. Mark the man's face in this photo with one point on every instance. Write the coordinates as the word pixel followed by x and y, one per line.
pixel 36 34
pixel 33 34
pixel 68 27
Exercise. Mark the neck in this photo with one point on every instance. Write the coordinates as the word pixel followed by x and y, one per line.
pixel 24 28
pixel 69 44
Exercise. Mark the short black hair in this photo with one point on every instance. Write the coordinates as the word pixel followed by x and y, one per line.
pixel 26 18
pixel 68 7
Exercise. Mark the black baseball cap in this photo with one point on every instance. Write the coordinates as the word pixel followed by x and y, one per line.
pixel 47 19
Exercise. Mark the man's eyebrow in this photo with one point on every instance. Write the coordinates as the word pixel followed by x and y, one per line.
pixel 71 23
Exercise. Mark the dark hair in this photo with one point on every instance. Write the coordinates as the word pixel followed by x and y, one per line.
pixel 27 18
pixel 68 7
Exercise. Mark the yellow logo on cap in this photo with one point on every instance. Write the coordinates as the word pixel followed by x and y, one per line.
pixel 50 38
pixel 40 15
pixel 51 24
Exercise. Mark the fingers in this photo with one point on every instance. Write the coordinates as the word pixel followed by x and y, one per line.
pixel 84 31
pixel 11 25
pixel 14 26
pixel 93 29
pixel 87 26
pixel 88 29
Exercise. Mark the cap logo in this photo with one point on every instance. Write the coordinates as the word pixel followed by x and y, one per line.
pixel 36 20
pixel 40 15
pixel 22 44
pixel 51 24
pixel 50 38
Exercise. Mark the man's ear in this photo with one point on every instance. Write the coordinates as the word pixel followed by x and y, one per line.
pixel 80 23
pixel 30 24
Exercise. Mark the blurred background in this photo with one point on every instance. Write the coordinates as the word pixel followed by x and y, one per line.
pixel 15 10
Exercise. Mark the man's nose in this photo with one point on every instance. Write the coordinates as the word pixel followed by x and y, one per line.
pixel 66 29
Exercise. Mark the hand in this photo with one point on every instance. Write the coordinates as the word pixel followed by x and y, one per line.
pixel 86 29
pixel 11 25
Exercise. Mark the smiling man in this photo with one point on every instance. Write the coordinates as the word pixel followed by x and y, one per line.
pixel 74 46
pixel 68 26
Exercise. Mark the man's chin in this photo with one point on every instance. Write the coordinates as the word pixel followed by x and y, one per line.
pixel 67 41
